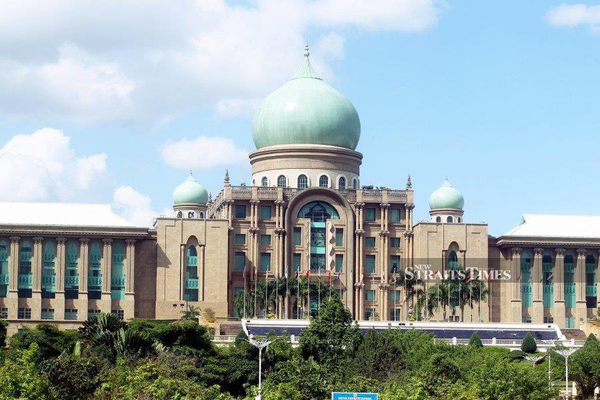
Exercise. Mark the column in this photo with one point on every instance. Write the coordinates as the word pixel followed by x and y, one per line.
pixel 13 284
pixel 358 265
pixel 580 305
pixel 59 302
pixel 129 308
pixel 559 288
pixel 537 314
pixel 36 272
pixel 515 296
pixel 106 301
pixel 83 270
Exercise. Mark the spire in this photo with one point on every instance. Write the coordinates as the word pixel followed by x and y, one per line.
pixel 307 70
pixel 226 181
pixel 408 183
pixel 210 199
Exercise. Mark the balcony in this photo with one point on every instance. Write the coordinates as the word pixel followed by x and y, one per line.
pixel 4 279
pixel 191 283
pixel 25 281
pixel 192 261
pixel 590 290
pixel 71 281
pixel 118 282
pixel 95 281
pixel 48 280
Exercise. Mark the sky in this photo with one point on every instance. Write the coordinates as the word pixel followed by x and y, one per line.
pixel 114 102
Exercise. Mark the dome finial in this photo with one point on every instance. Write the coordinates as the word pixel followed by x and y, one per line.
pixel 408 182
pixel 306 52
pixel 446 177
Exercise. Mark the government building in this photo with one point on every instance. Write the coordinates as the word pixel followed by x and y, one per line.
pixel 305 217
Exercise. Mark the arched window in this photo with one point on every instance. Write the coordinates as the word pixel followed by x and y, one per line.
pixel 548 287
pixel 95 272
pixel 4 275
pixel 72 271
pixel 342 183
pixel 117 284
pixel 526 279
pixel 459 220
pixel 25 277
pixel 281 181
pixel 180 214
pixel 438 219
pixel 324 181
pixel 452 260
pixel 48 272
pixel 569 280
pixel 302 182
pixel 191 214
pixel 354 183
pixel 450 219
pixel 201 215
pixel 264 181
pixel 191 274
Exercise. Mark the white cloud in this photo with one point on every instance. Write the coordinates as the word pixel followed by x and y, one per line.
pixel 575 15
pixel 229 108
pixel 43 166
pixel 202 152
pixel 133 206
pixel 150 60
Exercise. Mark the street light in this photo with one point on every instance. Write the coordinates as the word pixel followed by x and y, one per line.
pixel 533 360
pixel 260 345
pixel 549 343
pixel 566 353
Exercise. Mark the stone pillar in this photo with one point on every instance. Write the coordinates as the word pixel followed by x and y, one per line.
pixel 580 305
pixel 36 272
pixel 83 271
pixel 537 314
pixel 515 297
pixel 559 288
pixel 182 268
pixel 13 283
pixel 59 303
pixel 129 308
pixel 106 301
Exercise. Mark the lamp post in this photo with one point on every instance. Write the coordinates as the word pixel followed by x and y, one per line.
pixel 566 353
pixel 549 343
pixel 260 345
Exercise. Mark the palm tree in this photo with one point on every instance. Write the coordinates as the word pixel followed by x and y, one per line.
pixel 191 312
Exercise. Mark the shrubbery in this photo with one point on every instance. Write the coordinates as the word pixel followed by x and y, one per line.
pixel 529 345
pixel 109 359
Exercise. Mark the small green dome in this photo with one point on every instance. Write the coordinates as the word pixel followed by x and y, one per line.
pixel 306 110
pixel 446 197
pixel 190 191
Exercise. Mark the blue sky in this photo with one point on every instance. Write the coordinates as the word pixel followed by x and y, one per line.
pixel 503 97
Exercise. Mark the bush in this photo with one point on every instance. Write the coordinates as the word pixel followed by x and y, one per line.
pixel 3 326
pixel 516 355
pixel 475 341
pixel 529 345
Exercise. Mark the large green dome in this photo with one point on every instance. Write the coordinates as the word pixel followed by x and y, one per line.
pixel 446 197
pixel 306 110
pixel 190 191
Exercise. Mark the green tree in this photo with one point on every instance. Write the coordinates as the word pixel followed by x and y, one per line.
pixel 74 377
pixel 20 378
pixel 528 345
pixel 50 339
pixel 584 367
pixel 3 328
pixel 475 341
pixel 331 339
pixel 378 356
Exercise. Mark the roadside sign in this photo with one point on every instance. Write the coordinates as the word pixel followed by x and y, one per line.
pixel 354 396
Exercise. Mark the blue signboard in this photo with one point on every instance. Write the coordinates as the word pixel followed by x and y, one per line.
pixel 354 396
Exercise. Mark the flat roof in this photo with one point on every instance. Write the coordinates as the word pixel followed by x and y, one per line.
pixel 60 214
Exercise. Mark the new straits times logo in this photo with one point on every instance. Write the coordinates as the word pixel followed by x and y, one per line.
pixel 423 272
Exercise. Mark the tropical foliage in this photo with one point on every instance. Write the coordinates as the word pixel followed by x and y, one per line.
pixel 110 359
